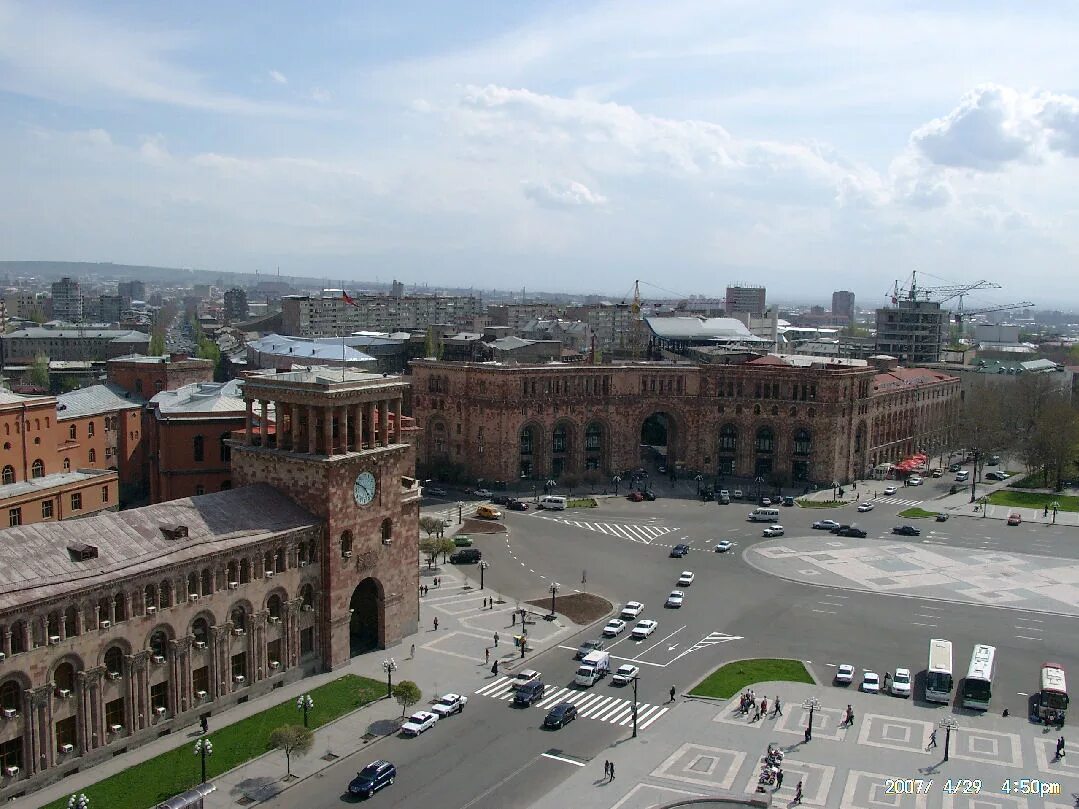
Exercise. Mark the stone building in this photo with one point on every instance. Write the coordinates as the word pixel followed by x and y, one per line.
pixel 143 376
pixel 24 345
pixel 124 626
pixel 764 418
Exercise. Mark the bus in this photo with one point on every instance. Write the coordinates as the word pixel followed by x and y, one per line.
pixel 938 676
pixel 1053 698
pixel 978 686
pixel 764 515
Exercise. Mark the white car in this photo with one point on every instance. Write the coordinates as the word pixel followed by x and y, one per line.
pixel 845 673
pixel 675 599
pixel 615 626
pixel 870 682
pixel 915 480
pixel 485 494
pixel 625 674
pixel 524 677
pixel 631 610
pixel 449 704
pixel 866 506
pixel 825 525
pixel 644 628
pixel 901 683
pixel 891 489
pixel 418 723
pixel 724 546
pixel 773 531
pixel 686 579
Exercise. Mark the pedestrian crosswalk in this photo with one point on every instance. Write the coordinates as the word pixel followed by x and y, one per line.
pixel 591 704
pixel 898 501
pixel 645 534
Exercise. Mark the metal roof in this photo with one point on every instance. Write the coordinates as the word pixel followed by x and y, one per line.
pixel 699 328
pixel 51 482
pixel 202 397
pixel 303 350
pixel 76 333
pixel 94 400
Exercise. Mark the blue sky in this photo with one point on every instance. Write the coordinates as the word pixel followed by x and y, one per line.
pixel 559 146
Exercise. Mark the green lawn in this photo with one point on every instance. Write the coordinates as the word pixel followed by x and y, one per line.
pixel 147 784
pixel 582 502
pixel 823 503
pixel 916 513
pixel 728 680
pixel 1003 497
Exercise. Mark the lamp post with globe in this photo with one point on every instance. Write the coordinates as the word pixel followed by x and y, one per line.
pixel 204 747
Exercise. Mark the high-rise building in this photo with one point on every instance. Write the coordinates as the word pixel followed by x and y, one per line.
pixel 912 331
pixel 131 290
pixel 67 300
pixel 843 305
pixel 330 315
pixel 235 305
pixel 745 300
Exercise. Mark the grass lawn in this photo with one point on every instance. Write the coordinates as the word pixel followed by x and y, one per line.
pixel 1004 497
pixel 916 513
pixel 147 784
pixel 582 502
pixel 823 503
pixel 728 680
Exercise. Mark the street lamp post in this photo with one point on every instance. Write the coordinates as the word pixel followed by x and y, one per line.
pixel 204 747
pixel 949 724
pixel 554 591
pixel 811 705
pixel 636 677
pixel 305 704
pixel 390 667
pixel 483 567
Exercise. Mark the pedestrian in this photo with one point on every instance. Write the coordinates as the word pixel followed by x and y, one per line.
pixel 612 770
pixel 436 623
pixel 494 668
pixel 776 710
pixel 798 793
pixel 487 655
pixel 672 693
pixel 496 640
pixel 491 603
pixel 850 717
pixel 756 713
pixel 204 720
pixel 485 603
pixel 607 769
pixel 932 740
pixel 808 734
pixel 764 706
pixel 847 717
pixel 779 780
pixel 887 677
pixel 412 651
pixel 1060 747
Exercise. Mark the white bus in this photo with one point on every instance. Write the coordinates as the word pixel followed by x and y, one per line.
pixel 938 676
pixel 764 515
pixel 1053 699
pixel 978 685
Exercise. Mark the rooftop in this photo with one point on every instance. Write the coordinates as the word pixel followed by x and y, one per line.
pixel 309 350
pixel 908 377
pixel 75 333
pixel 223 398
pixel 94 400
pixel 50 482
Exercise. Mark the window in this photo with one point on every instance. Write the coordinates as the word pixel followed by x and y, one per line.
pixel 159 643
pixel 802 443
pixel 199 490
pixel 387 531
pixel 10 695
pixel 76 501
pixel 8 475
pixel 104 494
pixel 73 432
pixel 200 630
pixel 560 439
pixel 207 581
pixel 273 606
pixel 46 509
pixel 198 447
pixel 64 677
pixel 593 436
pixel 92 455
pixel 159 696
pixel 114 660
pixel 120 607
pixel 728 438
pixel 346 544
pixel 90 430
pixel 192 584
pixel 71 622
pixel 67 464
pixel 14 516
pixel 37 469
pixel 149 596
pixel 224 448
pixel 307 595
pixel 18 637
pixel 238 616
pixel 765 439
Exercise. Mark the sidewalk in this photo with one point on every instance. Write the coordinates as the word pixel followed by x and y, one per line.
pixel 451 659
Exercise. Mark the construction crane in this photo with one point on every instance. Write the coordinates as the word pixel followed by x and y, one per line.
pixel 946 293
pixel 960 313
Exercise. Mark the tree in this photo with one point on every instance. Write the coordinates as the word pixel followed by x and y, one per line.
pixel 430 524
pixel 407 694
pixel 1055 440
pixel 446 546
pixel 38 375
pixel 157 344
pixel 293 740
pixel 429 545
pixel 981 428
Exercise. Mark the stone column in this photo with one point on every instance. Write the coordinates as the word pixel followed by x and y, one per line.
pixel 327 430
pixel 279 425
pixel 397 434
pixel 130 693
pixel 264 409
pixel 27 637
pixel 294 426
pixel 369 423
pixel 357 426
pixel 62 626
pixel 384 423
pixel 7 642
pixel 312 429
pixel 85 726
pixel 343 422
pixel 258 661
pixel 80 621
pixel 248 406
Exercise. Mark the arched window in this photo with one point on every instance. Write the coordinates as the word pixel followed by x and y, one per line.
pixel 560 439
pixel 37 469
pixel 207 582
pixel 200 630
pixel 273 606
pixel 198 447
pixel 280 561
pixel 267 562
pixel 71 622
pixel 233 572
pixel 238 616
pixel 765 440
pixel 8 475
pixel 307 595
pixel 73 432
pixel 593 437
pixel 301 553
pixel 165 594
pixel 90 429
pixel 64 677
pixel 120 607
pixel 114 660
pixel 149 595
pixel 728 438
pixel 53 624
pixel 103 605
pixel 92 455
pixel 18 637
pixel 346 544
pixel 11 695
pixel 387 530
pixel 192 584
pixel 245 571
pixel 224 448
pixel 802 443
pixel 159 643
pixel 67 464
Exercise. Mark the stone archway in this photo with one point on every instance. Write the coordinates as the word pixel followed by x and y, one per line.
pixel 657 440
pixel 367 619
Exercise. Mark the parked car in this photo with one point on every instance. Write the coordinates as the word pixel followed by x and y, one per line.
pixel 644 628
pixel 675 599
pixel 825 525
pixel 500 499
pixel 901 683
pixel 907 531
pixel 737 494
pixel 686 579
pixel 766 501
pixel 788 501
pixel 866 506
pixel 649 494
pixel 845 673
pixel 449 704
pixel 937 473
pixel 372 778
pixel 631 610
pixel 517 505
pixel 773 531
pixel 724 498
pixel 724 545
pixel 418 723
pixel 870 682
pixel 625 674
pixel 852 531
pixel 560 714
pixel 488 513
pixel 955 467
pixel 615 626
pixel 679 550
pixel 891 489
pixel 1014 518
pixel 994 460
pixel 995 476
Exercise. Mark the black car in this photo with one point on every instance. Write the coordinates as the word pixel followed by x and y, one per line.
pixel 678 551
pixel 649 494
pixel 788 501
pixel 529 693
pixel 517 505
pixel 907 531
pixel 838 529
pixel 501 499
pixel 560 714
pixel 372 778
pixel 466 556
pixel 851 531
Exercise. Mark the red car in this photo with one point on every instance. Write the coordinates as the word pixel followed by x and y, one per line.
pixel 635 497
pixel 1014 519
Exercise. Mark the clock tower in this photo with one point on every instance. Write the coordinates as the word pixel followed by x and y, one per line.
pixel 335 442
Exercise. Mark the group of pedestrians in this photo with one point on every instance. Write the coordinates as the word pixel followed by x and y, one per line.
pixel 608 770
pixel 748 702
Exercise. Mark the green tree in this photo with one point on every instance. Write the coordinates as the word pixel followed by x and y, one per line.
pixel 981 429
pixel 292 740
pixel 38 375
pixel 429 545
pixel 407 694
pixel 445 546
pixel 157 344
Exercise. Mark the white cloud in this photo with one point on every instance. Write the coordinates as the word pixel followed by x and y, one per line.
pixel 563 194
pixel 278 77
pixel 321 95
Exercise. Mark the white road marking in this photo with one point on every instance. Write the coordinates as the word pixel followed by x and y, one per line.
pixel 1022 693
pixel 916 623
pixel 563 760
pixel 653 718
pixel 1027 637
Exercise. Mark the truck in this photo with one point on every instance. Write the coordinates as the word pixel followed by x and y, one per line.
pixel 594 666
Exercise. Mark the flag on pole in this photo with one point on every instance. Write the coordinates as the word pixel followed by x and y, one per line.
pixel 348 299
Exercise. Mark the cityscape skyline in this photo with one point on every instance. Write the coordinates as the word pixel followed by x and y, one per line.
pixel 572 149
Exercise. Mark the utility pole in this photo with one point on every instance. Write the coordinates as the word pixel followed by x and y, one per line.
pixel 635 679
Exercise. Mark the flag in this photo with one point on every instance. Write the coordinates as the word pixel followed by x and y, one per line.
pixel 348 299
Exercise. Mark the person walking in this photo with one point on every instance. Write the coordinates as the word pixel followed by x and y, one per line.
pixel 607 769
pixel 932 741
pixel 513 618
pixel 756 712
pixel 764 706
pixel 436 623
pixel 798 793
pixel 204 721
pixel 612 770
pixel 412 651
pixel 672 694
pixel 1060 748
pixel 779 780
pixel 494 668
pixel 496 640
pixel 776 710
pixel 850 716
pixel 487 655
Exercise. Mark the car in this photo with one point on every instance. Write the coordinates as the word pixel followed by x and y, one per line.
pixel 449 704
pixel 372 778
pixel 915 480
pixel 625 674
pixel 852 531
pixel 845 673
pixel 686 579
pixel 500 499
pixel 662 470
pixel 825 525
pixel 589 646
pixel 766 501
pixel 635 497
pixel 737 494
pixel 907 531
pixel 994 460
pixel 901 683
pixel 631 610
pixel 788 501
pixel 724 498
pixel 942 516
pixel 937 473
pixel 1014 518
pixel 891 489
pixel 724 493
pixel 996 476
pixel 615 626
pixel 466 556
pixel 517 505
pixel 433 491
pixel 870 682
pixel 866 506
pixel 529 693
pixel 649 494
pixel 418 723
pixel 488 513
pixel 955 467
pixel 773 531
pixel 838 529
pixel 462 541
pixel 524 677
pixel 724 545
pixel 484 494
pixel 644 628
pixel 560 714
pixel 675 599
pixel 679 550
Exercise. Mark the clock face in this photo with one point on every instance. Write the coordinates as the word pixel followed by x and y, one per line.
pixel 364 488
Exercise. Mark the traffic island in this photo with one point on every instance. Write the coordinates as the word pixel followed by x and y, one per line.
pixel 581 608
pixel 474 526
pixel 733 678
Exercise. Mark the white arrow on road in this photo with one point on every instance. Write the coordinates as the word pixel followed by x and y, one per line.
pixel 672 648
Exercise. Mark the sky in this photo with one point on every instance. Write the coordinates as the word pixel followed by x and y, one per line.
pixel 554 146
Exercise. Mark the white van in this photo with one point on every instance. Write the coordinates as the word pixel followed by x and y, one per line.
pixel 764 515
pixel 595 665
pixel 553 502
